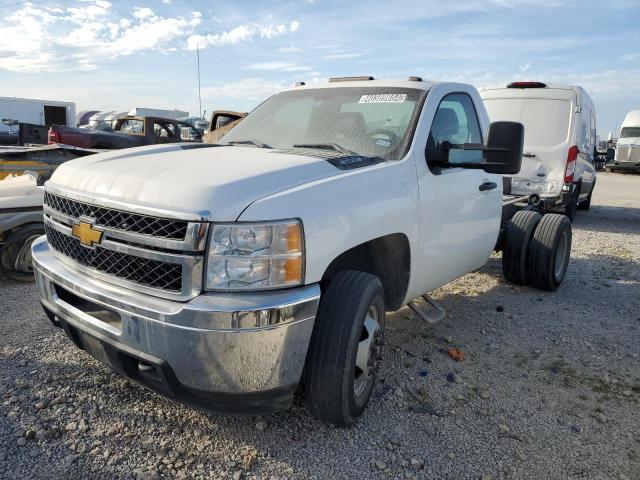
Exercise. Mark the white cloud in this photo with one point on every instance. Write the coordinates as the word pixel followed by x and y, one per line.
pixel 525 67
pixel 76 38
pixel 242 33
pixel 242 94
pixel 290 49
pixel 142 12
pixel 340 55
pixel 280 66
pixel 38 38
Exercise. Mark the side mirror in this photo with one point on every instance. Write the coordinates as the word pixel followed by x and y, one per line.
pixel 9 122
pixel 503 153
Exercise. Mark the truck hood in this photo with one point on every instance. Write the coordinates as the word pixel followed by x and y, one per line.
pixel 216 182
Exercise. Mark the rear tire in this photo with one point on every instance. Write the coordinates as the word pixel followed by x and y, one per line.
pixel 346 337
pixel 586 205
pixel 609 170
pixel 516 247
pixel 550 252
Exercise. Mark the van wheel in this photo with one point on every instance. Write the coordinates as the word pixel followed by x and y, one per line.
pixel 345 349
pixel 586 205
pixel 517 240
pixel 609 170
pixel 550 252
pixel 572 206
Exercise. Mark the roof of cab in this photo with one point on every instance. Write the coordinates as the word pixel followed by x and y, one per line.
pixel 342 83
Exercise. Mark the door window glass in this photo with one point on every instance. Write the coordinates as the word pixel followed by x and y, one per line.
pixel 456 122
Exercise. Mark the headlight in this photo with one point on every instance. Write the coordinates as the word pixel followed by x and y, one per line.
pixel 255 256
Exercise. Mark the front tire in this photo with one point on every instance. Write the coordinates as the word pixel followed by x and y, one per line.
pixel 550 252
pixel 345 348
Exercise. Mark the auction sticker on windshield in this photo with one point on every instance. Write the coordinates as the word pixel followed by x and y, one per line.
pixel 383 98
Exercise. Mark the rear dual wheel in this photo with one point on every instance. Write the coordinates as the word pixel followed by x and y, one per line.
pixel 550 252
pixel 537 250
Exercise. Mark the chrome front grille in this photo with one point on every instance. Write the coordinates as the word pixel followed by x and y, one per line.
pixel 138 250
pixel 118 219
pixel 628 153
pixel 143 271
pixel 622 152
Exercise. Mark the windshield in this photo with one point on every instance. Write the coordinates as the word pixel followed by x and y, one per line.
pixel 630 132
pixel 371 122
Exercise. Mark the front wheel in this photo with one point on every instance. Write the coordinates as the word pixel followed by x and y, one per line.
pixel 345 348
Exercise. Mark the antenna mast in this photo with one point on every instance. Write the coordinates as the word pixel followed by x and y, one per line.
pixel 199 95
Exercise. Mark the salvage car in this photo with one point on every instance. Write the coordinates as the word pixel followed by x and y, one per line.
pixel 20 224
pixel 129 131
pixel 225 276
pixel 222 121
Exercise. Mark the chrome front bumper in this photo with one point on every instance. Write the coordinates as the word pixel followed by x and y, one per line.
pixel 234 353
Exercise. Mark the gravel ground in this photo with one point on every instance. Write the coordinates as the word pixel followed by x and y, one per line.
pixel 549 387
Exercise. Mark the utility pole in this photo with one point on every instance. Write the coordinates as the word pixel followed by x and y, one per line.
pixel 199 95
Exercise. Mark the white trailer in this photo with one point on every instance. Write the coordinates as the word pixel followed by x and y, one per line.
pixel 37 112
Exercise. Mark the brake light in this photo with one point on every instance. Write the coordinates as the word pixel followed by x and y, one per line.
pixel 527 85
pixel 53 136
pixel 572 158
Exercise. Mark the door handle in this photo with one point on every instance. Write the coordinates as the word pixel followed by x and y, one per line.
pixel 529 155
pixel 487 186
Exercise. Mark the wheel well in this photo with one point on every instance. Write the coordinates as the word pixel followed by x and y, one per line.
pixel 388 258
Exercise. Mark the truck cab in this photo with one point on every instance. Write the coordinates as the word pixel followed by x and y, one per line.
pixel 627 153
pixel 226 275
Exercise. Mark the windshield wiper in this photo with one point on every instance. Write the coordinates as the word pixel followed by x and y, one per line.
pixel 249 141
pixel 327 146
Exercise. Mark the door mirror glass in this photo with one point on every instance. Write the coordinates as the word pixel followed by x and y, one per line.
pixel 503 153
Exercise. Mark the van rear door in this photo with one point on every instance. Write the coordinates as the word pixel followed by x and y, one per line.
pixel 547 133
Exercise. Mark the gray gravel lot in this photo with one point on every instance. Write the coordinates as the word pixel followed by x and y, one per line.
pixel 549 388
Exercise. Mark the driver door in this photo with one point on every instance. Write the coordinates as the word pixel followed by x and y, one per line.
pixel 460 208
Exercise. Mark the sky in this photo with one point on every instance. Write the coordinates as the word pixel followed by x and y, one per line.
pixel 117 55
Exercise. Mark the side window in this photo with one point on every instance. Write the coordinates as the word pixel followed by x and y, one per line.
pixel 133 126
pixel 456 121
pixel 164 130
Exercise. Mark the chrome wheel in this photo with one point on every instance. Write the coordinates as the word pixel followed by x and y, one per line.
pixel 368 353
pixel 23 262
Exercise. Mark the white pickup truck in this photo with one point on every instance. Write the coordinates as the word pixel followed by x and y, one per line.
pixel 225 276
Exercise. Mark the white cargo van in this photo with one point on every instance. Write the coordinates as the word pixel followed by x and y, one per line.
pixel 559 142
pixel 628 146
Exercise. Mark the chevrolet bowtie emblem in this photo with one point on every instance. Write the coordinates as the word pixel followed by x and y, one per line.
pixel 86 233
